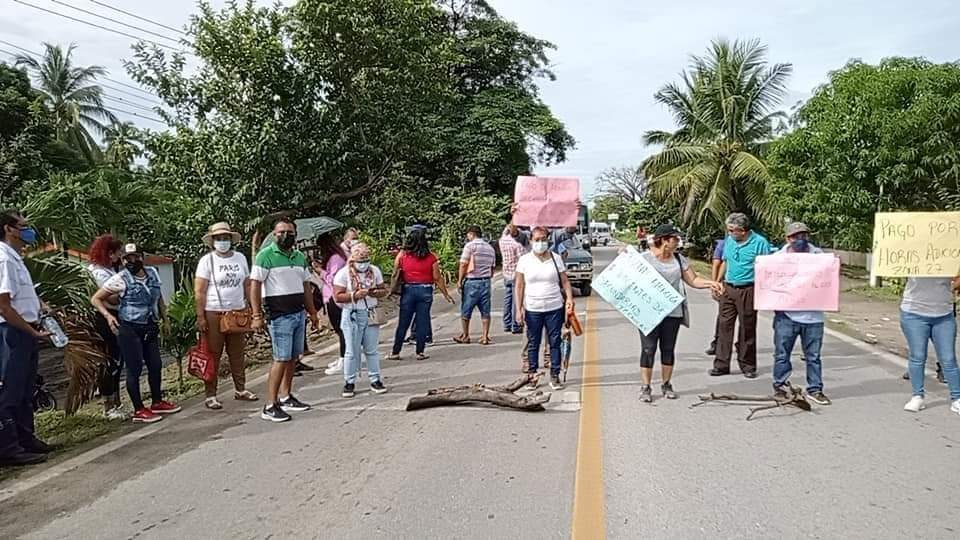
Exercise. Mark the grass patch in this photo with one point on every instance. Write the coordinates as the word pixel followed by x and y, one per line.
pixel 887 293
pixel 61 431
pixel 703 268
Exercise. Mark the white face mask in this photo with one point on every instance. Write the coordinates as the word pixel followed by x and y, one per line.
pixel 221 246
pixel 540 247
pixel 363 267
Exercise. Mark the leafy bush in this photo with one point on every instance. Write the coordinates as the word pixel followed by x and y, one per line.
pixel 182 318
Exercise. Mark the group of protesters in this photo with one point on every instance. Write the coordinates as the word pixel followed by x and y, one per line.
pixel 927 313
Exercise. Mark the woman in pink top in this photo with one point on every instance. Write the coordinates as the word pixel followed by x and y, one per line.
pixel 331 258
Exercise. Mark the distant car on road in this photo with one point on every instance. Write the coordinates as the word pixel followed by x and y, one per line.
pixel 600 233
pixel 580 270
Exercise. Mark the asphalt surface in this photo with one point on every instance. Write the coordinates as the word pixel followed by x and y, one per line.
pixel 860 468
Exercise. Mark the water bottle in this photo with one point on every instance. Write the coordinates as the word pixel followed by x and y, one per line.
pixel 57 336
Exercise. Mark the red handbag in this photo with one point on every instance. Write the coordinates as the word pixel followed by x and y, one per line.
pixel 200 361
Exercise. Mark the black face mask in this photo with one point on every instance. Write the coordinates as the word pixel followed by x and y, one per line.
pixel 134 267
pixel 286 240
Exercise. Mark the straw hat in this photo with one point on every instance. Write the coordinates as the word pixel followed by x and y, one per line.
pixel 220 228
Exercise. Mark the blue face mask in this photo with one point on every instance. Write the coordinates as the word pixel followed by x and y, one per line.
pixel 800 244
pixel 28 235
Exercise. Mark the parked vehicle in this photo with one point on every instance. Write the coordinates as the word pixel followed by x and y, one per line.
pixel 600 234
pixel 580 270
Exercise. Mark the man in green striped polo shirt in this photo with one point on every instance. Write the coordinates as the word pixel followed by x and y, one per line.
pixel 280 286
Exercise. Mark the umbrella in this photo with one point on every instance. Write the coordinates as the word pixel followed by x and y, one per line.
pixel 309 229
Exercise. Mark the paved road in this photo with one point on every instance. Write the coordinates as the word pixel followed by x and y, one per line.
pixel 861 468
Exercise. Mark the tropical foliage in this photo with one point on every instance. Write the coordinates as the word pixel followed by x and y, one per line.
pixel 74 101
pixel 725 108
pixel 875 137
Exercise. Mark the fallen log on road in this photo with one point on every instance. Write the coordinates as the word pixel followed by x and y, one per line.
pixel 795 398
pixel 502 396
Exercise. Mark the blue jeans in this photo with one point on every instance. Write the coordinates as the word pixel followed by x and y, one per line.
pixel 536 322
pixel 509 325
pixel 919 331
pixel 288 335
pixel 362 339
pixel 415 301
pixel 476 294
pixel 785 333
pixel 139 346
pixel 18 373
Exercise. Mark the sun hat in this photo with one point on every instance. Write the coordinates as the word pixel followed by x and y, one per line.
pixel 220 228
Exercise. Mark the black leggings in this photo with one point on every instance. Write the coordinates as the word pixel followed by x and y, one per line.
pixel 140 344
pixel 112 369
pixel 334 313
pixel 665 334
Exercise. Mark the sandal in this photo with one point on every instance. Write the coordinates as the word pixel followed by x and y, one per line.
pixel 213 404
pixel 462 340
pixel 393 357
pixel 486 341
pixel 422 356
pixel 245 395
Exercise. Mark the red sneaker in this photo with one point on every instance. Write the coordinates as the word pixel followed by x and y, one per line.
pixel 146 416
pixel 164 407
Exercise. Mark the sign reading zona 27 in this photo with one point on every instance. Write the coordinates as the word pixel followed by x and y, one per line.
pixel 920 244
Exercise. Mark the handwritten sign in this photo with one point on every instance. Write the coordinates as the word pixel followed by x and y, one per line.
pixel 546 201
pixel 637 290
pixel 797 282
pixel 923 244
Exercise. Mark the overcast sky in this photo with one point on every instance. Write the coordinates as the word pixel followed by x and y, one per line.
pixel 611 57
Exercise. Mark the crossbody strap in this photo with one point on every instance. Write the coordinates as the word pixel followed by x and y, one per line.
pixel 683 288
pixel 559 278
pixel 213 278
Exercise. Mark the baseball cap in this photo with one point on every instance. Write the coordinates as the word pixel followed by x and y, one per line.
pixel 666 230
pixel 131 249
pixel 796 228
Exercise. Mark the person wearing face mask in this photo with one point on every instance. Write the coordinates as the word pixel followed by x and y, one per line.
pixel 138 322
pixel 358 288
pixel 19 332
pixel 222 284
pixel 280 282
pixel 807 325
pixel 544 298
pixel 104 254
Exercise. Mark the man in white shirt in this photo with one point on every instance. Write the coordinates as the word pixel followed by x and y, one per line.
pixel 19 331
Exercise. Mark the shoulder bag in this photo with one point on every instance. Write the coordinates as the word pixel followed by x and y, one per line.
pixel 683 291
pixel 396 281
pixel 572 320
pixel 237 321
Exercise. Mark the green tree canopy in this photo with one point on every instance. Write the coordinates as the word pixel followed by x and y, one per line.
pixel 726 111
pixel 874 137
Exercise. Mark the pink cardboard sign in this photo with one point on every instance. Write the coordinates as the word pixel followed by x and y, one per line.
pixel 797 282
pixel 546 201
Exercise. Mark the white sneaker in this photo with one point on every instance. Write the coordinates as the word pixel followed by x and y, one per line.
pixel 115 413
pixel 335 367
pixel 915 404
pixel 955 407
pixel 337 362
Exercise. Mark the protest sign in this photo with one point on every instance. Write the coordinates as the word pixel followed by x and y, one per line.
pixel 546 201
pixel 797 282
pixel 637 290
pixel 916 244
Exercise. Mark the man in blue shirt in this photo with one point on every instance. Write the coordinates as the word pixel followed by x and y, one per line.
pixel 740 250
pixel 807 325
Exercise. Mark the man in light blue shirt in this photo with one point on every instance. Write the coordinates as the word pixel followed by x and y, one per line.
pixel 807 325
pixel 740 249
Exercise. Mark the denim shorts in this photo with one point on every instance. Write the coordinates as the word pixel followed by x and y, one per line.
pixel 476 294
pixel 287 332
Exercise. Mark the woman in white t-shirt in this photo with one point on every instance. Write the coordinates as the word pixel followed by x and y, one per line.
pixel 357 288
pixel 543 297
pixel 222 284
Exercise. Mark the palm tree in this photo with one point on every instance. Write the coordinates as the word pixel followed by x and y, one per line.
pixel 76 104
pixel 725 111
pixel 122 142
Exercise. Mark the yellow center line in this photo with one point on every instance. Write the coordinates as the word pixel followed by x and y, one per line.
pixel 589 516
